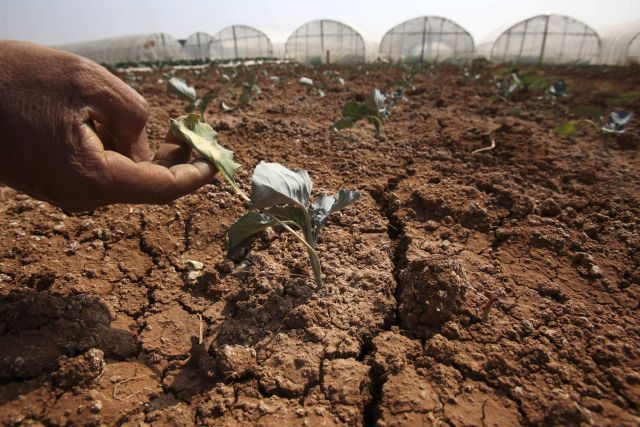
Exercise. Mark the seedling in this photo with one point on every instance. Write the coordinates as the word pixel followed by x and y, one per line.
pixel 558 89
pixel 373 110
pixel 180 88
pixel 615 125
pixel 306 81
pixel 280 197
pixel 249 88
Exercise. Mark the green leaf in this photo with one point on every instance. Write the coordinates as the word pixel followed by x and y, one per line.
pixel 326 204
pixel 568 129
pixel 355 110
pixel 246 95
pixel 182 89
pixel 204 102
pixel 343 123
pixel 204 139
pixel 251 223
pixel 376 122
pixel 273 184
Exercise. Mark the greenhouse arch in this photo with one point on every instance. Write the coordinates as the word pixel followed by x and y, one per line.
pixel 198 46
pixel 427 39
pixel 241 42
pixel 325 41
pixel 547 39
pixel 154 47
pixel 621 43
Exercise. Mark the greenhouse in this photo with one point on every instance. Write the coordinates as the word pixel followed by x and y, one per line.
pixel 240 42
pixel 427 39
pixel 545 39
pixel 198 46
pixel 621 44
pixel 155 47
pixel 325 41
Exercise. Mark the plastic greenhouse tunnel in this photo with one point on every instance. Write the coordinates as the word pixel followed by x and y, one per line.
pixel 427 39
pixel 155 47
pixel 621 43
pixel 198 46
pixel 325 41
pixel 544 39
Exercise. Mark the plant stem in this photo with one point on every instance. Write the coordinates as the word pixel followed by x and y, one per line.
pixel 313 256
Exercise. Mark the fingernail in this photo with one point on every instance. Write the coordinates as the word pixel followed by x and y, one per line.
pixel 203 166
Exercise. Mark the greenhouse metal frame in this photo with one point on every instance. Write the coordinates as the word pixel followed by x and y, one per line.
pixel 198 46
pixel 547 39
pixel 325 41
pixel 231 43
pixel 427 39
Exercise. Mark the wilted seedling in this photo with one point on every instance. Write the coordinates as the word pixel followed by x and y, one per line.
pixel 180 88
pixel 281 197
pixel 374 110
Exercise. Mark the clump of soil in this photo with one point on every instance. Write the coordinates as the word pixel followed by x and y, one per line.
pixel 431 291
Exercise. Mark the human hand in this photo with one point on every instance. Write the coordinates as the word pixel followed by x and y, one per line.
pixel 74 135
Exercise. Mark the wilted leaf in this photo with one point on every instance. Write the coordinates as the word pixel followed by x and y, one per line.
pixel 204 139
pixel 182 89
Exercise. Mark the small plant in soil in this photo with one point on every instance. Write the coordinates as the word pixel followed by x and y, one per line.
pixel 375 109
pixel 249 88
pixel 180 88
pixel 318 87
pixel 615 125
pixel 279 196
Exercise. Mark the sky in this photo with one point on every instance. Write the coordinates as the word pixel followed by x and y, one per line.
pixel 54 22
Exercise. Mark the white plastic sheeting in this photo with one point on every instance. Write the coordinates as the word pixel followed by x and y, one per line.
pixel 139 48
pixel 198 46
pixel 545 39
pixel 234 42
pixel 621 43
pixel 427 39
pixel 325 41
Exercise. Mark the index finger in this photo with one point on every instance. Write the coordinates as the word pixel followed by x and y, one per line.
pixel 147 182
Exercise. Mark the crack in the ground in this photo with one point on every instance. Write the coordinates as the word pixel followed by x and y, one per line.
pixel 399 246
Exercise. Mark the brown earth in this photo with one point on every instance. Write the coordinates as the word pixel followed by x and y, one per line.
pixel 496 288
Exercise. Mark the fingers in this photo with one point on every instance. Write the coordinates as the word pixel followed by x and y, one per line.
pixel 147 182
pixel 119 109
pixel 172 152
pixel 138 151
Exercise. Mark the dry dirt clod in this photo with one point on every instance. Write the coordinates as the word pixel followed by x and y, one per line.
pixel 79 370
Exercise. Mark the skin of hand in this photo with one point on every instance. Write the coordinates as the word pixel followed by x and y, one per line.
pixel 74 135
